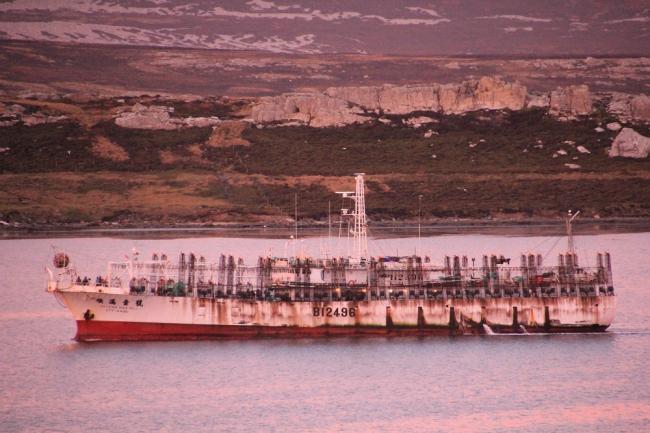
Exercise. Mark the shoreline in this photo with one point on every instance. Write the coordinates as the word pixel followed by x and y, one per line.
pixel 379 229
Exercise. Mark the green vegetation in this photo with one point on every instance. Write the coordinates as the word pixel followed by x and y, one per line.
pixel 117 186
pixel 477 143
pixel 144 146
pixel 513 142
pixel 478 165
pixel 270 199
pixel 508 195
pixel 46 147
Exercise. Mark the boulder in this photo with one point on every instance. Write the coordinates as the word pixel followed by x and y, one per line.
pixel 416 122
pixel 153 117
pixel 630 144
pixel 159 117
pixel 583 149
pixel 614 126
pixel 430 133
pixel 200 122
pixel 572 100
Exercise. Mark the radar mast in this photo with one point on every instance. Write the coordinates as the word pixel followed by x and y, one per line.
pixel 359 228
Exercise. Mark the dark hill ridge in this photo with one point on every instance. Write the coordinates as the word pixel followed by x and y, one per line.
pixel 94 71
pixel 415 28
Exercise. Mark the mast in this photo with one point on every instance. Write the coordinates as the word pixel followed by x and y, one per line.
pixel 329 219
pixel 359 228
pixel 296 213
pixel 569 231
pixel 329 227
pixel 419 251
pixel 295 238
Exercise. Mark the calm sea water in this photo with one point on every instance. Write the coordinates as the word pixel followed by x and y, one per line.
pixel 558 383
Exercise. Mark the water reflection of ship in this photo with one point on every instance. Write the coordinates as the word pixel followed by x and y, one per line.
pixel 353 295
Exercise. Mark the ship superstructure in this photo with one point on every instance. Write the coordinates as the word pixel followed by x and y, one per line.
pixel 190 298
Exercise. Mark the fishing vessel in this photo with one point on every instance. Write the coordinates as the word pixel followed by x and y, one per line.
pixel 156 298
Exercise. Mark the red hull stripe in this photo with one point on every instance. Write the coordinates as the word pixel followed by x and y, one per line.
pixel 137 331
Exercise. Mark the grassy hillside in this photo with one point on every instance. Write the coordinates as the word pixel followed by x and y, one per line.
pixel 483 164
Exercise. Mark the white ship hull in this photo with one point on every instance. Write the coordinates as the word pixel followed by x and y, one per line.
pixel 105 316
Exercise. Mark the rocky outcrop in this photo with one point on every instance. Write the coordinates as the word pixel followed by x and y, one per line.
pixel 487 93
pixel 13 114
pixel 391 99
pixel 640 107
pixel 630 144
pixel 571 101
pixel 345 105
pixel 416 122
pixel 41 118
pixel 159 117
pixel 493 94
pixel 200 122
pixel 143 117
pixel 630 107
pixel 314 109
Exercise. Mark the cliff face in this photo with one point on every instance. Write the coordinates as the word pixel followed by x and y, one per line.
pixel 345 105
pixel 314 109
